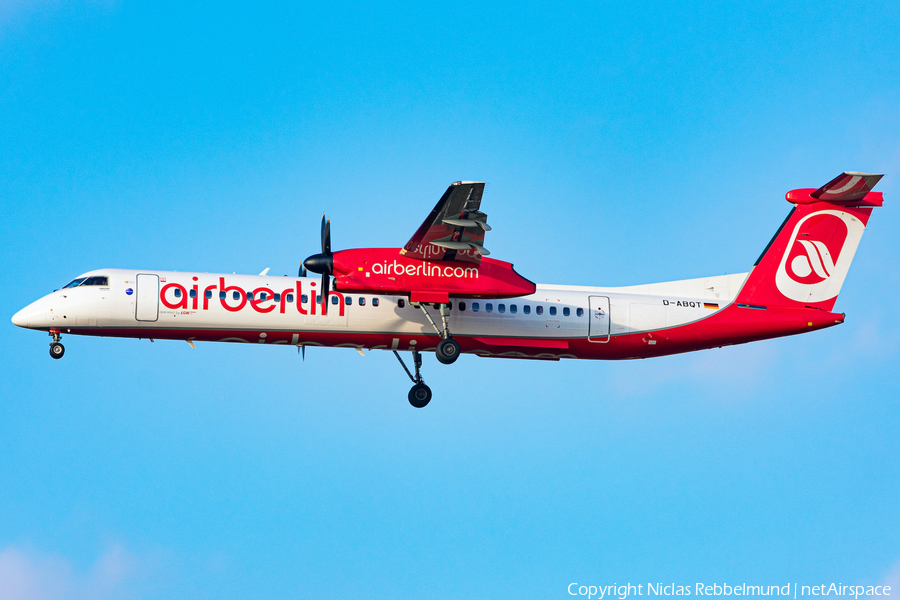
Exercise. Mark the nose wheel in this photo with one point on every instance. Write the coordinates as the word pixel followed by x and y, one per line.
pixel 56 349
pixel 420 394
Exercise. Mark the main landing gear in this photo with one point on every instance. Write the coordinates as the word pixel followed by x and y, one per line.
pixel 448 348
pixel 56 349
pixel 419 394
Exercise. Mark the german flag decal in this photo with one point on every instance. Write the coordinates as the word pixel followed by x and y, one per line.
pixel 710 305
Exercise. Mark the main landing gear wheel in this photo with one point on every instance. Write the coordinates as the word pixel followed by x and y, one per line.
pixel 57 350
pixel 448 351
pixel 420 395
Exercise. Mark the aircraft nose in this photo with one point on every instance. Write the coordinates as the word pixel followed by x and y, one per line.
pixel 21 318
pixel 30 316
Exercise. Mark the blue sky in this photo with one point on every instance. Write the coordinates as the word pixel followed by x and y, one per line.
pixel 621 143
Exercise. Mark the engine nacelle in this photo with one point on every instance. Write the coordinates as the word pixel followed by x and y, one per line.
pixel 386 271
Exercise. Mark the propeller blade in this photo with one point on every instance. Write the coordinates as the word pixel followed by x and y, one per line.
pixel 326 236
pixel 323 291
pixel 302 271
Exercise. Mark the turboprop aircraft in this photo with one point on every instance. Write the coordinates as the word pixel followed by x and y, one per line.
pixel 441 293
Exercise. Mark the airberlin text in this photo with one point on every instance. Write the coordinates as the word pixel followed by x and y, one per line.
pixel 792 590
pixel 234 298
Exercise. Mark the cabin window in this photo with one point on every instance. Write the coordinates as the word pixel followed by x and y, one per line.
pixel 553 311
pixel 75 283
pixel 263 296
pixel 475 307
pixel 362 301
pixel 526 309
pixel 207 294
pixel 177 293
pixel 488 306
pixel 348 300
pixel 501 308
pixel 579 312
pixel 512 308
pixel 334 300
pixel 193 293
pixel 236 295
pixel 277 297
pixel 304 299
pixel 374 301
pixel 462 306
pixel 539 310
pixel 401 302
pixel 221 295
pixel 566 311
pixel 249 296
pixel 289 297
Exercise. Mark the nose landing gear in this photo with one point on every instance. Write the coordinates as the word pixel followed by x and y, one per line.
pixel 56 349
pixel 419 394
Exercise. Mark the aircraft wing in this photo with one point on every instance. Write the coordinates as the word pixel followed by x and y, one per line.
pixel 455 228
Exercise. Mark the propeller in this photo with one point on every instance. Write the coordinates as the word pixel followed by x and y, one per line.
pixel 323 263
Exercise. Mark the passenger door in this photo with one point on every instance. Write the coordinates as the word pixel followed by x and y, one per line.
pixel 146 304
pixel 598 330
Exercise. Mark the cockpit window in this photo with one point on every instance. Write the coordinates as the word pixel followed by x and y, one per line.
pixel 101 280
pixel 75 282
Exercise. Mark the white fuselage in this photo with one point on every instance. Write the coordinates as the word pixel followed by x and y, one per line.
pixel 135 304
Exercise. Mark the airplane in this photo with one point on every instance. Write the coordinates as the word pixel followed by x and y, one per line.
pixel 441 293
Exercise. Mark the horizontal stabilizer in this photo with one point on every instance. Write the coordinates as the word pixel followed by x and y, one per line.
pixel 849 188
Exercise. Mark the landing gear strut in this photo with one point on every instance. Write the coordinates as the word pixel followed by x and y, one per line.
pixel 56 349
pixel 419 394
pixel 448 348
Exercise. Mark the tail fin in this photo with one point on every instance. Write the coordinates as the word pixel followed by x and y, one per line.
pixel 807 260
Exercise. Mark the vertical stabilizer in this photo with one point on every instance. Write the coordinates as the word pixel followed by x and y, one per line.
pixel 807 260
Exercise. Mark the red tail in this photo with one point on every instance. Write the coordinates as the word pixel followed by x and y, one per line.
pixel 807 260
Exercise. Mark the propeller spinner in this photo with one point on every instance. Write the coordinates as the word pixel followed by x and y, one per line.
pixel 323 263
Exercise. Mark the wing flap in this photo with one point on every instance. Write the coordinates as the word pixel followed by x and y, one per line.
pixel 455 228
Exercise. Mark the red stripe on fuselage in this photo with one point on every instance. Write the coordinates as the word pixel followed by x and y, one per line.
pixel 731 325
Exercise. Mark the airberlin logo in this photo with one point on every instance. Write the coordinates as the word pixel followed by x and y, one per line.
pixel 816 260
pixel 810 259
pixel 818 256
pixel 425 269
